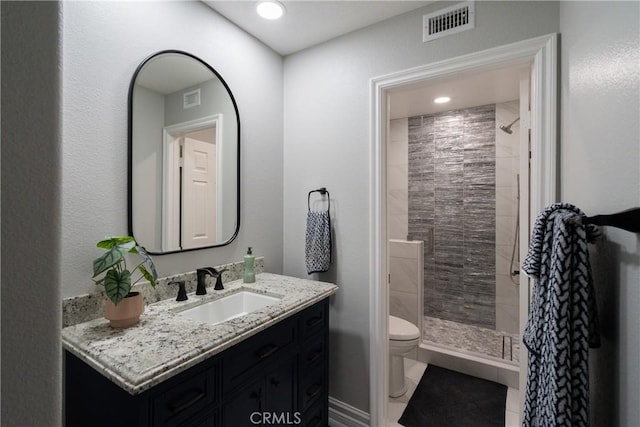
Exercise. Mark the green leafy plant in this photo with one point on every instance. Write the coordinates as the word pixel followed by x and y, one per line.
pixel 117 280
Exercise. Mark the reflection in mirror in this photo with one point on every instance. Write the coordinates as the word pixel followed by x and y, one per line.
pixel 184 159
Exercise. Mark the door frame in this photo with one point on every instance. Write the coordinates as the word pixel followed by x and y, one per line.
pixel 171 177
pixel 541 54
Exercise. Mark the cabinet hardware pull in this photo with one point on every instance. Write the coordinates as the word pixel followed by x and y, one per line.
pixel 314 356
pixel 314 321
pixel 314 389
pixel 186 402
pixel 267 351
pixel 256 394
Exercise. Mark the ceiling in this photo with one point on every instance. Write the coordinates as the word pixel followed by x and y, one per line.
pixel 307 23
pixel 471 90
pixel 159 74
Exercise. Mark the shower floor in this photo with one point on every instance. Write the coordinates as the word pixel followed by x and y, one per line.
pixel 471 339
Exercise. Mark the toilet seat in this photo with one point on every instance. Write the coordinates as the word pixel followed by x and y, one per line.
pixel 401 330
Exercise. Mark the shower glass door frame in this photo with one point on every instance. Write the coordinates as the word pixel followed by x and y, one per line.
pixel 541 54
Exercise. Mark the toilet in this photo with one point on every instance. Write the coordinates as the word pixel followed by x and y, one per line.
pixel 403 337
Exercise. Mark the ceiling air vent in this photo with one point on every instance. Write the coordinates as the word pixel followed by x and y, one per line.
pixel 191 99
pixel 451 20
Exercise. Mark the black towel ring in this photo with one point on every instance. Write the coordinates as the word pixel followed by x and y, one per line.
pixel 322 191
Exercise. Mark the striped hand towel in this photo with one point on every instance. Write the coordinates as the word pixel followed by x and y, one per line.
pixel 318 242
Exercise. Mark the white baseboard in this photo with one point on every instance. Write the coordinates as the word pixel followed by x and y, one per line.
pixel 343 415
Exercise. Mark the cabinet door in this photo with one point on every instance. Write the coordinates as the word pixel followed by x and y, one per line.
pixel 281 393
pixel 245 406
pixel 316 416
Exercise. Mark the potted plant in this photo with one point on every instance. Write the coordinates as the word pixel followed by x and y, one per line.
pixel 123 307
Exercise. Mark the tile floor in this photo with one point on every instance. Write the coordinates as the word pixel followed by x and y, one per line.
pixel 413 371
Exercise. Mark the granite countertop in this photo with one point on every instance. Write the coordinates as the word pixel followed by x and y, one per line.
pixel 165 343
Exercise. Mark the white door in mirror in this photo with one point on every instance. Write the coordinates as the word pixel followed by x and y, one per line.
pixel 198 194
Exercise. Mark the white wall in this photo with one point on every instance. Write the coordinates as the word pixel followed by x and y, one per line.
pixel 103 43
pixel 327 144
pixel 31 311
pixel 600 173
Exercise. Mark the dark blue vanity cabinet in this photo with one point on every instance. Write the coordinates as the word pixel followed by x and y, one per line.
pixel 276 377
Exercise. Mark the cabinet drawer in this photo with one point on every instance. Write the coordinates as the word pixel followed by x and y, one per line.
pixel 313 319
pixel 313 353
pixel 177 401
pixel 248 357
pixel 312 386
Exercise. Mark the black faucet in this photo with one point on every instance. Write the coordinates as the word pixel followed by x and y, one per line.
pixel 182 293
pixel 219 286
pixel 202 275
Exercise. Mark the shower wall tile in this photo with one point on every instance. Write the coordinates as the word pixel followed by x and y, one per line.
pixel 507 168
pixel 448 146
pixel 450 123
pixel 398 201
pixel 452 192
pixel 474 259
pixel 397 179
pixel 406 285
pixel 398 130
pixel 403 305
pixel 507 318
pixel 507 292
pixel 505 230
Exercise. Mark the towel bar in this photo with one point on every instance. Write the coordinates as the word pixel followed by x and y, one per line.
pixel 628 220
pixel 322 191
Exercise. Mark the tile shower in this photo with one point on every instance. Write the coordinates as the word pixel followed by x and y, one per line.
pixel 452 184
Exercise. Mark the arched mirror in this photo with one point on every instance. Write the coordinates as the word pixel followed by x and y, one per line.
pixel 184 155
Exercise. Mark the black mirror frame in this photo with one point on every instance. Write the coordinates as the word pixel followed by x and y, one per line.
pixel 130 149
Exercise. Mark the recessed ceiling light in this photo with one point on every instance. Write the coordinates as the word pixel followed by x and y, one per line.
pixel 270 9
pixel 442 100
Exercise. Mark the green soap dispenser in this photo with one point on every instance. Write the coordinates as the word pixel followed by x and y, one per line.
pixel 249 261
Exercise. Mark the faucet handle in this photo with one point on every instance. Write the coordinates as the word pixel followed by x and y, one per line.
pixel 219 286
pixel 207 270
pixel 182 293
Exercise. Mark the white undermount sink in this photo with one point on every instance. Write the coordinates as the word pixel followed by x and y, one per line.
pixel 229 307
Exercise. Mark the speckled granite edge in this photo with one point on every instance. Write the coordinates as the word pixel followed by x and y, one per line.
pixel 82 308
pixel 165 343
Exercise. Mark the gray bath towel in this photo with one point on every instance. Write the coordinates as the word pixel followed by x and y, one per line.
pixel 318 242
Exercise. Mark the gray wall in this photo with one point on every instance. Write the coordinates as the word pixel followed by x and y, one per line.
pixel 147 171
pixel 31 311
pixel 452 200
pixel 326 143
pixel 104 42
pixel 600 173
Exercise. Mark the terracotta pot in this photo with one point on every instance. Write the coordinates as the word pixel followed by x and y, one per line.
pixel 127 312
